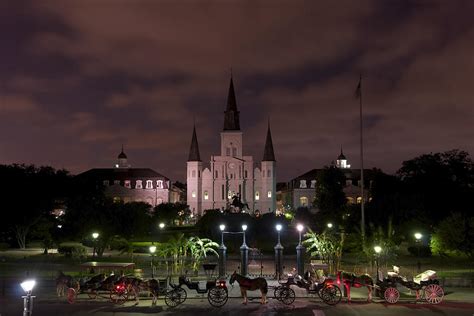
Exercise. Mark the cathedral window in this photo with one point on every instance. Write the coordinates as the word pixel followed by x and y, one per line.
pixel 227 151
pixel 127 184
pixel 229 194
pixel 206 195
pixel 193 194
pixel 199 173
pixel 138 185
pixel 217 174
pixel 234 152
pixel 257 195
pixel 149 184
pixel 240 189
pixel 193 173
pixel 246 174
pixel 159 184
pixel 159 201
pixel 313 184
pixel 303 201
pixel 302 184
pixel 269 194
pixel 222 191
pixel 263 173
pixel 269 172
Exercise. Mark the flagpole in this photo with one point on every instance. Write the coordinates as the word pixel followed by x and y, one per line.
pixel 362 202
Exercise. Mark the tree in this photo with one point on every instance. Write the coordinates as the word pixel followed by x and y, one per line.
pixel 31 194
pixel 454 234
pixel 328 246
pixel 438 184
pixel 169 213
pixel 330 197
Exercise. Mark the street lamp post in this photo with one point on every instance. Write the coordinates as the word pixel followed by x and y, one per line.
pixel 95 236
pixel 28 286
pixel 300 252
pixel 278 255
pixel 418 237
pixel 152 253
pixel 244 254
pixel 377 250
pixel 222 253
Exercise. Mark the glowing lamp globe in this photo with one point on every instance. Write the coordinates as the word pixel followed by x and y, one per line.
pixel 244 227
pixel 222 227
pixel 152 249
pixel 299 227
pixel 28 285
pixel 378 249
pixel 161 225
pixel 418 236
pixel 95 235
pixel 278 227
pixel 329 225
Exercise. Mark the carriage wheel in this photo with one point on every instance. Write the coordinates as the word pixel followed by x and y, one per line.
pixel 434 294
pixel 391 295
pixel 331 294
pixel 217 296
pixel 287 296
pixel 131 294
pixel 71 295
pixel 118 297
pixel 175 297
pixel 277 292
pixel 92 293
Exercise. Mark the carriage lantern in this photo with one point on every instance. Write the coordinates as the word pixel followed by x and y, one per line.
pixel 28 286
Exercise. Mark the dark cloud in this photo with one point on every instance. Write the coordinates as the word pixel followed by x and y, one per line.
pixel 79 78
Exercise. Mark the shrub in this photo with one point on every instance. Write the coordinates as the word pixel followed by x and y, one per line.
pixel 72 251
pixel 424 251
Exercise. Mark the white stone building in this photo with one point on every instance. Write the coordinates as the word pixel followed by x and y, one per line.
pixel 231 173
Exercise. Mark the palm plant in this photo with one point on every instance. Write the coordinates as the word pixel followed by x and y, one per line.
pixel 199 248
pixel 327 246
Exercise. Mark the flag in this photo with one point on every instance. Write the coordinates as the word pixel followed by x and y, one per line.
pixel 358 91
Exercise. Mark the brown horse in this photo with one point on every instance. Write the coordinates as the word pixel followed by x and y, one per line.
pixel 247 284
pixel 65 281
pixel 350 279
pixel 135 286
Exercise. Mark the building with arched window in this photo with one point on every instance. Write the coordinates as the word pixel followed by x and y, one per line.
pixel 231 173
pixel 127 184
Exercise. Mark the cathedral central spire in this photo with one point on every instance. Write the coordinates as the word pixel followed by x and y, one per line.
pixel 194 149
pixel 268 153
pixel 231 118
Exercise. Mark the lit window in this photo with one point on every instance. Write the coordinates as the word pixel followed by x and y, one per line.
pixel 303 201
pixel 106 183
pixel 359 200
pixel 193 194
pixel 229 194
pixel 149 184
pixel 269 194
pixel 117 199
pixel 206 195
pixel 303 184
pixel 313 184
pixel 117 182
pixel 127 184
pixel 257 196
pixel 159 184
pixel 138 185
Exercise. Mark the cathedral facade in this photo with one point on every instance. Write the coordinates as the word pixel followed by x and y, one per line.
pixel 231 175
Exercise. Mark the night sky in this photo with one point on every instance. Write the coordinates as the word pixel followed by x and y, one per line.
pixel 79 78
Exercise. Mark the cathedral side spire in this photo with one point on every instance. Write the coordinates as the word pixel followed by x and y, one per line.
pixel 194 149
pixel 231 118
pixel 268 153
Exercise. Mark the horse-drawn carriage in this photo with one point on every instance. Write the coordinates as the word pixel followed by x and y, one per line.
pixel 425 282
pixel 215 289
pixel 314 282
